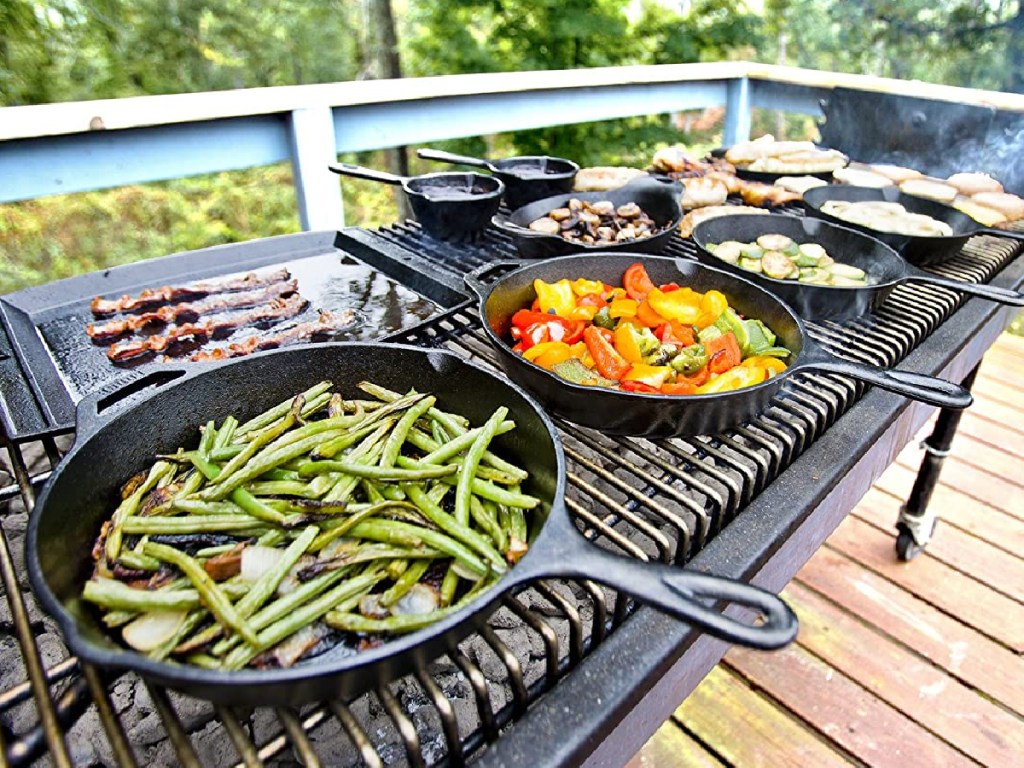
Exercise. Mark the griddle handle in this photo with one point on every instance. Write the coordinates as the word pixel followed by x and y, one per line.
pixel 916 386
pixel 506 225
pixel 979 290
pixel 477 279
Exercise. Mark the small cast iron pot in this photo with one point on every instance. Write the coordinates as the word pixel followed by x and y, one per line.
pixel 447 205
pixel 110 447
pixel 526 178
pixel 885 268
pixel 917 249
pixel 657 196
pixel 654 415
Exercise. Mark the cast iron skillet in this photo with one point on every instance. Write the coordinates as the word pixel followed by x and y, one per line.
pixel 447 205
pixel 526 178
pixel 769 178
pixel 658 196
pixel 650 415
pixel 110 447
pixel 917 249
pixel 885 268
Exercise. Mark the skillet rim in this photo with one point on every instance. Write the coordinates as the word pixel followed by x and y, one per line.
pixel 181 676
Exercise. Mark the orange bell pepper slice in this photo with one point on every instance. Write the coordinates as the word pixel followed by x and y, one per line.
pixel 608 361
pixel 646 315
pixel 723 352
pixel 637 282
pixel 627 343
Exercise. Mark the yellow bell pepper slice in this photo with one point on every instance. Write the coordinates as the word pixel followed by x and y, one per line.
pixel 681 305
pixel 555 296
pixel 652 375
pixel 623 308
pixel 583 287
pixel 712 305
pixel 627 343
pixel 734 378
pixel 582 313
pixel 615 294
pixel 772 365
pixel 548 353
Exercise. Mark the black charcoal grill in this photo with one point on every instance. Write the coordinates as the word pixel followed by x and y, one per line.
pixel 752 503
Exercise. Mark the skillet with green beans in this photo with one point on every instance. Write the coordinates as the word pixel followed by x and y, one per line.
pixel 782 258
pixel 323 520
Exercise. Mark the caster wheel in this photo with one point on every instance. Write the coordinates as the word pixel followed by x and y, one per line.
pixel 906 548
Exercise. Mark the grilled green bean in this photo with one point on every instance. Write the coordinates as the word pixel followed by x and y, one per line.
pixel 279 410
pixel 110 593
pixel 396 439
pixel 468 469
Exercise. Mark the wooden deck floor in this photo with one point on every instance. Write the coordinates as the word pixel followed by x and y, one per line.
pixel 896 664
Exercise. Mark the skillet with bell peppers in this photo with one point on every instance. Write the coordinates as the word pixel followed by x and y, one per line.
pixel 665 339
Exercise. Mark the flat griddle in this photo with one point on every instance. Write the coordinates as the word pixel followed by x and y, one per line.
pixel 48 363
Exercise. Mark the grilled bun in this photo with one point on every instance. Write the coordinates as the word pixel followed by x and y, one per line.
pixel 604 178
pixel 895 173
pixel 974 183
pixel 930 188
pixel 1011 206
pixel 982 214
pixel 860 178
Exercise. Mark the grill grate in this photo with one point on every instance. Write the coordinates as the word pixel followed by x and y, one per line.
pixel 649 499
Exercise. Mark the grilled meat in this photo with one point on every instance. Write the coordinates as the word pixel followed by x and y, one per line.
pixel 329 322
pixel 760 195
pixel 278 309
pixel 152 297
pixel 190 311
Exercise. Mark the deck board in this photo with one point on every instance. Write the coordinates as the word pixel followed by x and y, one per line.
pixel 896 663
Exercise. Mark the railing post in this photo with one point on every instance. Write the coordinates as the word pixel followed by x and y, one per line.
pixel 737 112
pixel 313 148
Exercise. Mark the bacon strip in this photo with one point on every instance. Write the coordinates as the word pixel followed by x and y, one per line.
pixel 173 313
pixel 329 322
pixel 155 296
pixel 278 309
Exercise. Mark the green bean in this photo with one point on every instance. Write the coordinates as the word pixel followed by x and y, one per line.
pixel 226 452
pixel 444 452
pixel 409 578
pixel 453 527
pixel 333 447
pixel 208 435
pixel 395 532
pixel 376 472
pixel 287 447
pixel 214 551
pixel 302 489
pixel 336 405
pixel 351 622
pixel 438 492
pixel 197 507
pixel 332 532
pixel 264 586
pixel 127 508
pixel 393 445
pixel 115 619
pixel 213 598
pixel 351 589
pixel 449 584
pixel 487 521
pixel 225 433
pixel 279 410
pixel 372 491
pixel 468 469
pixel 138 561
pixel 240 496
pixel 396 568
pixel 509 498
pixel 263 438
pixel 438 433
pixel 203 661
pixel 197 524
pixel 283 606
pixel 367 452
pixel 109 593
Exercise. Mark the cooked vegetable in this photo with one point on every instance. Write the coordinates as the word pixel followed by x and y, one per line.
pixel 663 339
pixel 781 258
pixel 361 509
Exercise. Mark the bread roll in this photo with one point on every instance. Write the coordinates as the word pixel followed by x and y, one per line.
pixel 934 190
pixel 1011 206
pixel 896 173
pixel 858 178
pixel 982 214
pixel 800 184
pixel 974 183
pixel 604 178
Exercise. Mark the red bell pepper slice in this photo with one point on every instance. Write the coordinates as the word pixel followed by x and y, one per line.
pixel 591 300
pixel 638 386
pixel 637 282
pixel 723 352
pixel 609 362
pixel 669 287
pixel 682 386
pixel 535 334
pixel 675 333
pixel 575 332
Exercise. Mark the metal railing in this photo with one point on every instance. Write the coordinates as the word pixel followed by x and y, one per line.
pixel 78 146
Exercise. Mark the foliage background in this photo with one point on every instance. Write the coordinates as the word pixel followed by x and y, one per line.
pixel 61 50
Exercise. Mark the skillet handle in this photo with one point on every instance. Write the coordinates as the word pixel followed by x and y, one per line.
pixel 451 157
pixel 92 409
pixel 476 280
pixel 357 171
pixel 982 291
pixel 505 224
pixel 682 593
pixel 917 386
pixel 1009 234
